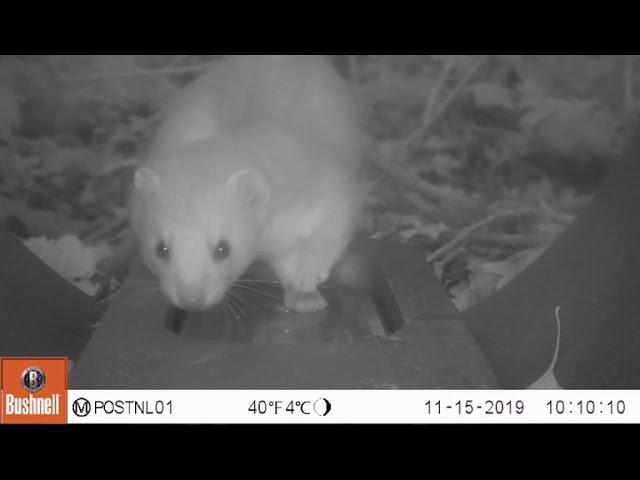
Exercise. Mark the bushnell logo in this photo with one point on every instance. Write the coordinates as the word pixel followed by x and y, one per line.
pixel 34 390
pixel 33 379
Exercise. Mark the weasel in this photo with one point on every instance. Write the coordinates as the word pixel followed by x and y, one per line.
pixel 257 159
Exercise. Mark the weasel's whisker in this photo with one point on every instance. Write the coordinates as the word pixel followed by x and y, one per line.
pixel 229 305
pixel 237 307
pixel 226 309
pixel 242 302
pixel 245 298
pixel 258 291
pixel 250 281
pixel 239 320
pixel 233 299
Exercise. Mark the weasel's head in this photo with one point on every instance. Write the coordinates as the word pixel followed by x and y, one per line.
pixel 198 237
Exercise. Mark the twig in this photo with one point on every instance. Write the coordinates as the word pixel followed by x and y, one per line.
pixel 137 127
pixel 489 253
pixel 354 71
pixel 108 227
pixel 176 60
pixel 629 97
pixel 448 258
pixel 354 79
pixel 442 194
pixel 442 107
pixel 551 214
pixel 519 241
pixel 147 122
pixel 425 206
pixel 114 167
pixel 467 232
pixel 437 88
pixel 140 74
pixel 441 265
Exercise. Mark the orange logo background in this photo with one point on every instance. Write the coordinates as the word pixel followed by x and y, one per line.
pixel 55 371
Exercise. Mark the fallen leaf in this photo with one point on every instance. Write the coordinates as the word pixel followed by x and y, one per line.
pixel 462 296
pixel 72 260
pixel 484 283
pixel 419 227
pixel 506 269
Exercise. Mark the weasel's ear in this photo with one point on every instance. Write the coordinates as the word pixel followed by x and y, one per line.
pixel 252 189
pixel 146 180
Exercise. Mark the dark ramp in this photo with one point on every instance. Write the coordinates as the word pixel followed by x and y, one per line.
pixel 593 273
pixel 41 314
pixel 396 330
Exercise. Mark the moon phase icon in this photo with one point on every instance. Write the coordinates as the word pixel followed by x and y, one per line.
pixel 322 407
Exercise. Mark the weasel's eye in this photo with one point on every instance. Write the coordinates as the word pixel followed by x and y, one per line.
pixel 162 250
pixel 221 251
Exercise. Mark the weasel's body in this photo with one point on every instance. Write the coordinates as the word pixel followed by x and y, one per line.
pixel 256 159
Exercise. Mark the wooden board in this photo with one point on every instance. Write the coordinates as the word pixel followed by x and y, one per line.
pixel 351 344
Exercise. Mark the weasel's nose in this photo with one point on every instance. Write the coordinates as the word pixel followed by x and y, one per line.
pixel 191 302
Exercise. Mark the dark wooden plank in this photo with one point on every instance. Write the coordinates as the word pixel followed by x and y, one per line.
pixel 335 348
pixel 41 314
pixel 593 273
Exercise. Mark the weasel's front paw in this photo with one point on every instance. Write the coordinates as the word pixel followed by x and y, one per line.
pixel 304 302
pixel 302 272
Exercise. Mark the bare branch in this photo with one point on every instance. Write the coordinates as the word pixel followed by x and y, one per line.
pixel 139 74
pixel 467 232
pixel 429 120
pixel 442 194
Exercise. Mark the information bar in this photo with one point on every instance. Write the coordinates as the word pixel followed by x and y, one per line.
pixel 353 406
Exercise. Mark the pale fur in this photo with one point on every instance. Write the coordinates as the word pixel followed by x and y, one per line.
pixel 289 122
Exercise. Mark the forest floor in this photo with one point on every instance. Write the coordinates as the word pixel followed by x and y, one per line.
pixel 479 162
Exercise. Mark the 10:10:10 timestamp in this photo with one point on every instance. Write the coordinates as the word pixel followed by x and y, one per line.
pixel 589 407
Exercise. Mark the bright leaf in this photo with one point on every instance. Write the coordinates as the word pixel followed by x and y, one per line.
pixel 72 260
